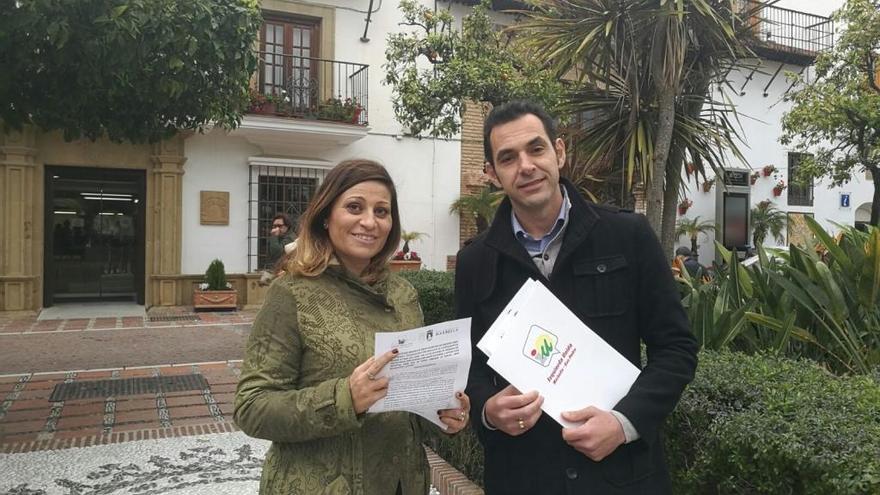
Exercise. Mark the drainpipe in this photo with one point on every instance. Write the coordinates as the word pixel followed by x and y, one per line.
pixel 367 25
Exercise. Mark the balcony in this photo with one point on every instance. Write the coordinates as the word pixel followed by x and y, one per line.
pixel 785 35
pixel 301 104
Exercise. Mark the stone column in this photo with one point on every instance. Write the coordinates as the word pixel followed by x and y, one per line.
pixel 164 241
pixel 19 222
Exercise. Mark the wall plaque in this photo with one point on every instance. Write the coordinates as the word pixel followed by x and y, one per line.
pixel 214 207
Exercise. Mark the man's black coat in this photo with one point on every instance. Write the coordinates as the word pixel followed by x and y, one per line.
pixel 612 273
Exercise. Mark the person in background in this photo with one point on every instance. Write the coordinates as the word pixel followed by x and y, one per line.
pixel 309 374
pixel 280 236
pixel 693 267
pixel 607 266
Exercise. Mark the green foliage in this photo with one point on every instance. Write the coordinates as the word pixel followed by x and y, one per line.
pixel 436 293
pixel 766 218
pixel 135 70
pixel 477 63
pixel 215 276
pixel 693 228
pixel 802 304
pixel 481 206
pixel 339 110
pixel 764 424
pixel 836 116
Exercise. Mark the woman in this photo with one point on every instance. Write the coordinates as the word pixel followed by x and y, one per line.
pixel 309 375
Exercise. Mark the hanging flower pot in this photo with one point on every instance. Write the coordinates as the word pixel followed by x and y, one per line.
pixel 779 187
pixel 707 186
pixel 768 170
pixel 690 167
pixel 684 206
pixel 754 177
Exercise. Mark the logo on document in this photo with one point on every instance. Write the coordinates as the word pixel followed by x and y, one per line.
pixel 540 345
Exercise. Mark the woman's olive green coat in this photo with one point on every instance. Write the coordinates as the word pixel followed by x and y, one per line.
pixel 306 340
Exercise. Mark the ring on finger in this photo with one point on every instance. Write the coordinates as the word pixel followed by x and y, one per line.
pixel 521 423
pixel 462 416
pixel 371 376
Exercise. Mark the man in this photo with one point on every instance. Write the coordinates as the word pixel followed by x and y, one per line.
pixel 607 266
pixel 279 237
pixel 693 267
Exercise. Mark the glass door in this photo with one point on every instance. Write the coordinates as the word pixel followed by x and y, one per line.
pixel 94 234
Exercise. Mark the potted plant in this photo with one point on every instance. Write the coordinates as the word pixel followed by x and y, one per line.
pixel 779 187
pixel 768 170
pixel 339 110
pixel 684 206
pixel 754 177
pixel 215 292
pixel 707 185
pixel 406 260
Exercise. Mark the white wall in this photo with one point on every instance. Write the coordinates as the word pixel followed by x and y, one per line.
pixel 425 174
pixel 761 118
pixel 426 171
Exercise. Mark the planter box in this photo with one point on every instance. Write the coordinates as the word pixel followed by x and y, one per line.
pixel 405 266
pixel 215 299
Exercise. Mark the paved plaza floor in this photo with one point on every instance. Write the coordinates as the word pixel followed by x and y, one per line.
pixel 132 404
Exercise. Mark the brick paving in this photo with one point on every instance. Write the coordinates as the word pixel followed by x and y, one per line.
pixel 29 421
pixel 37 355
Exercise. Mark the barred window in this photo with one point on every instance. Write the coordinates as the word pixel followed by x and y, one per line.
pixel 798 195
pixel 273 190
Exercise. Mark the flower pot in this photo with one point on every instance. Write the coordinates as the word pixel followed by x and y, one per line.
pixel 777 191
pixel 215 299
pixel 267 109
pixel 682 210
pixel 707 186
pixel 767 171
pixel 405 265
pixel 753 180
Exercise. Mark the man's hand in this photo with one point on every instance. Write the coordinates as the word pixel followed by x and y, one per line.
pixel 512 412
pixel 600 434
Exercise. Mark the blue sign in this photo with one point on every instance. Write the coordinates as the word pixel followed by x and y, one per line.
pixel 844 200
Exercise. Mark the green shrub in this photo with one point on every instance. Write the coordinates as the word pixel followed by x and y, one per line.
pixel 436 293
pixel 215 276
pixel 764 424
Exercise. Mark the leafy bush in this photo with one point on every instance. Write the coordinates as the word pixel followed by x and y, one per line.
pixel 823 303
pixel 436 293
pixel 765 424
pixel 215 276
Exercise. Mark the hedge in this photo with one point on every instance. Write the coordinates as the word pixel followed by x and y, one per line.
pixel 747 424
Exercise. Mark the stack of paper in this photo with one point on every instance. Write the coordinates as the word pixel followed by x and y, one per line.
pixel 537 343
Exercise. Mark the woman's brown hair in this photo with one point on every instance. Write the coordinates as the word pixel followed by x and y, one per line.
pixel 313 247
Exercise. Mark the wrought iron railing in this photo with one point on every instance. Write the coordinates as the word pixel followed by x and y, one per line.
pixel 787 30
pixel 311 88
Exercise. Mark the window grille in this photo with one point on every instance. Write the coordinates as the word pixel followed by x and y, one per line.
pixel 272 190
pixel 798 195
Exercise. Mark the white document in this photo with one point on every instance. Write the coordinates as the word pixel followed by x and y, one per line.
pixel 431 366
pixel 496 331
pixel 545 347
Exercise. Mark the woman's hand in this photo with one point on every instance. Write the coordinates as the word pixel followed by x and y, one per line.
pixel 456 419
pixel 365 387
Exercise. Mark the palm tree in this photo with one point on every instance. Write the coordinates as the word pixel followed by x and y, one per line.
pixel 643 71
pixel 767 218
pixel 408 237
pixel 693 228
pixel 481 206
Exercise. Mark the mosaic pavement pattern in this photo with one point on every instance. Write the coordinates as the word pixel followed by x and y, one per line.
pixel 226 463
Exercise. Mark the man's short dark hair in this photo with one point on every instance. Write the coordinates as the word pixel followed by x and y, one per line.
pixel 284 218
pixel 511 111
pixel 683 251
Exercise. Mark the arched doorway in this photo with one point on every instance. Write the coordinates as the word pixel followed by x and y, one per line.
pixel 863 216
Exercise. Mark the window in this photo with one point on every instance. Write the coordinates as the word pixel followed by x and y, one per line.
pixel 276 189
pixel 798 195
pixel 289 47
